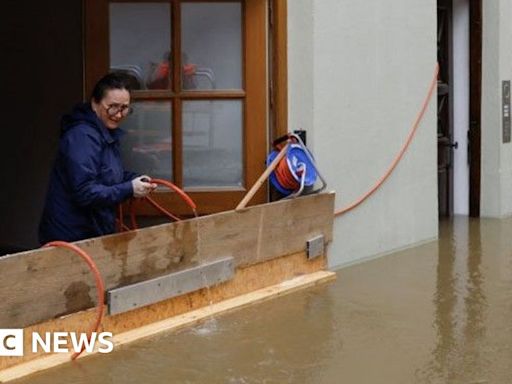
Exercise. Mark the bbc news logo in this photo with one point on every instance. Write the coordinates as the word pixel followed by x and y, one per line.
pixel 12 342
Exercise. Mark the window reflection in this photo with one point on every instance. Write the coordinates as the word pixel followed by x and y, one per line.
pixel 212 143
pixel 147 145
pixel 212 42
pixel 140 41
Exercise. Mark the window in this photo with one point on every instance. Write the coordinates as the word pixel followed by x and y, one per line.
pixel 199 70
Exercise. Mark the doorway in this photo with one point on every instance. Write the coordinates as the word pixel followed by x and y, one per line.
pixel 458 110
pixel 445 143
pixel 475 102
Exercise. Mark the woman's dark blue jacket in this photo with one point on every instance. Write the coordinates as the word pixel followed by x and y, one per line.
pixel 87 181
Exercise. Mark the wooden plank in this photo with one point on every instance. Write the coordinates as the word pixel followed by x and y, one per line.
pixel 262 235
pixel 289 286
pixel 47 283
pixel 264 176
pixel 246 280
pixel 177 322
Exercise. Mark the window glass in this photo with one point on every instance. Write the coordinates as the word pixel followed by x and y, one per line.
pixel 146 147
pixel 140 43
pixel 212 45
pixel 212 143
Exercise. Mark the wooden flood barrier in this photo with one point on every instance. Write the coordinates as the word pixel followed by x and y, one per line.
pixel 52 289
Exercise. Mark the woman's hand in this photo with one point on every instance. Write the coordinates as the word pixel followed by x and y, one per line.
pixel 142 186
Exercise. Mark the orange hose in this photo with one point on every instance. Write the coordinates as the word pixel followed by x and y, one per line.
pixel 180 192
pixel 119 218
pixel 161 209
pixel 400 154
pixel 121 227
pixel 132 215
pixel 285 177
pixel 100 286
pixel 157 206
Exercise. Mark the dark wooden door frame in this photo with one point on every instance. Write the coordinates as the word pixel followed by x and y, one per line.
pixel 475 102
pixel 445 144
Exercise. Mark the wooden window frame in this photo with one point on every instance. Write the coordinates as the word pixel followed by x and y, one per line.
pixel 254 96
pixel 278 17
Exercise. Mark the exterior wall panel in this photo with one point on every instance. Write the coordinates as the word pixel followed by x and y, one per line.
pixel 371 65
pixel 496 198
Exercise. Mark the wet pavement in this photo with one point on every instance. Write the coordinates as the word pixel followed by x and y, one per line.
pixel 437 313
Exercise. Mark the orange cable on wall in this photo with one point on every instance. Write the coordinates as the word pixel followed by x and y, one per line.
pixel 400 154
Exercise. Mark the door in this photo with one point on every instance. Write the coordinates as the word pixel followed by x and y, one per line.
pixel 200 76
pixel 445 144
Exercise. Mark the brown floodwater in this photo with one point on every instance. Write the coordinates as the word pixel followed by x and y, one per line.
pixel 437 313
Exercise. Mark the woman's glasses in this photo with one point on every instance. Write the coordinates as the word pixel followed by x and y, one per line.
pixel 114 109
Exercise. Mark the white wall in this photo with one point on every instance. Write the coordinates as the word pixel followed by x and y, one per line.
pixel 505 49
pixel 356 87
pixel 496 195
pixel 300 65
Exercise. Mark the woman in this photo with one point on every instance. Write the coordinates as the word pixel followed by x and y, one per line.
pixel 88 180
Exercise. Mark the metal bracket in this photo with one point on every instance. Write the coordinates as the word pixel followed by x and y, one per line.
pixel 164 287
pixel 315 247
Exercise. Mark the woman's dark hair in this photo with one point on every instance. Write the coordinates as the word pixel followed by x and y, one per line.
pixel 114 80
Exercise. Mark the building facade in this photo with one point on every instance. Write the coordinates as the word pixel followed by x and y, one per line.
pixel 352 74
